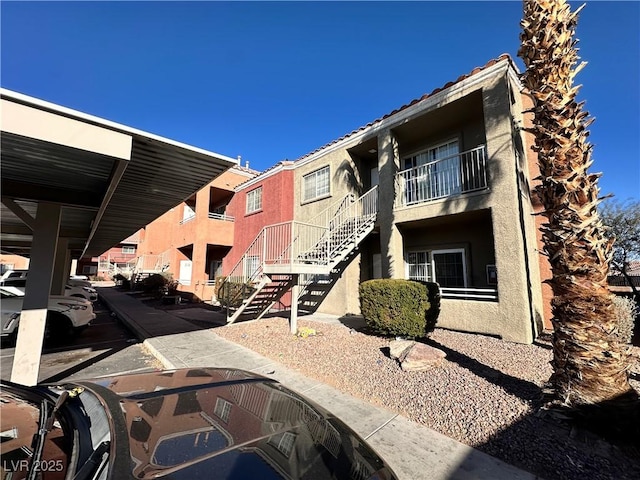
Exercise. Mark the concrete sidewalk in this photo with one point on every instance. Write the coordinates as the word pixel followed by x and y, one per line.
pixel 413 451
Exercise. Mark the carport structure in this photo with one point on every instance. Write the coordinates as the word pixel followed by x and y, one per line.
pixel 74 185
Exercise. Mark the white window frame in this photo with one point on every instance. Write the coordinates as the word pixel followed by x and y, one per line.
pixel 128 250
pixel 251 265
pixel 432 264
pixel 432 180
pixel 222 409
pixel 430 148
pixel 284 442
pixel 254 200
pixel 450 250
pixel 319 191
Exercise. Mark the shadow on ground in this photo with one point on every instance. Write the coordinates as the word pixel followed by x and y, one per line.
pixel 543 442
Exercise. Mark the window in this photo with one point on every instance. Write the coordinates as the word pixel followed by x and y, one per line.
pixel 447 267
pixel 283 442
pixel 419 266
pixel 254 200
pixel 437 173
pixel 215 269
pixel 222 409
pixel 5 267
pixel 251 265
pixel 315 184
pixel 128 250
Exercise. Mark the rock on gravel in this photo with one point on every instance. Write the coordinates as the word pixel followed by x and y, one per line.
pixel 485 393
pixel 415 356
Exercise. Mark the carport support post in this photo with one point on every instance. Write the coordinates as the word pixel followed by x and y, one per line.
pixel 295 292
pixel 26 361
pixel 61 267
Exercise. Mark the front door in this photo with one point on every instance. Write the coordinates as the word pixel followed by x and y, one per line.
pixel 185 272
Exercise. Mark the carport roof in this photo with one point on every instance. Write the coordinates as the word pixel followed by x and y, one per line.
pixel 110 179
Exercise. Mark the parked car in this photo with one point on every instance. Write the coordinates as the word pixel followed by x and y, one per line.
pixel 88 293
pixel 80 282
pixel 66 316
pixel 180 424
pixel 14 275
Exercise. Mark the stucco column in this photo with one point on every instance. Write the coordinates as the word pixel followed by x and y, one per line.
pixel 61 267
pixel 391 248
pixel 26 361
pixel 515 321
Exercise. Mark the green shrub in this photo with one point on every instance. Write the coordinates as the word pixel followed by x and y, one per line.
pixel 399 307
pixel 626 311
pixel 154 283
pixel 231 294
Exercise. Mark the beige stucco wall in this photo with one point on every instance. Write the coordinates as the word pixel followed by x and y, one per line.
pixel 510 221
pixel 343 298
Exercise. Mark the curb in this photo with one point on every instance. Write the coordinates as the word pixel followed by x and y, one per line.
pixel 159 356
pixel 139 332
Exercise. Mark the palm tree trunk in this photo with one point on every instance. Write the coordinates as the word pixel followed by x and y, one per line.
pixel 590 365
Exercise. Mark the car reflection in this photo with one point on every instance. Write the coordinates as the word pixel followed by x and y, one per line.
pixel 194 423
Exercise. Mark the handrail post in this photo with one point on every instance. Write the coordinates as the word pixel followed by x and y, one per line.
pixel 291 249
pixel 264 249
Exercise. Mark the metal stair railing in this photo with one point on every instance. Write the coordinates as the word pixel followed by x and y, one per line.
pixel 345 228
pixel 365 209
pixel 364 212
pixel 243 273
pixel 321 241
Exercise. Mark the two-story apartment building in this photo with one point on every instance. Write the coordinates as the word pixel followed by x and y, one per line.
pixel 437 190
pixel 189 241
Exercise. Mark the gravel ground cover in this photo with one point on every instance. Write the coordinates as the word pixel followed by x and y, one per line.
pixel 485 394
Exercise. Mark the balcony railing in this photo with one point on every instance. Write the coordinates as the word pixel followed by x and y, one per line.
pixel 187 219
pixel 486 294
pixel 422 272
pixel 221 216
pixel 453 175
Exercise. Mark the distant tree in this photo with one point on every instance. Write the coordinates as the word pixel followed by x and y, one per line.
pixel 623 220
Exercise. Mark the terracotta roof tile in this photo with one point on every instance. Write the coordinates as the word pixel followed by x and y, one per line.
pixel 475 71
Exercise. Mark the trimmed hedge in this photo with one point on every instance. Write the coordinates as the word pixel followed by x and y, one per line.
pixel 400 307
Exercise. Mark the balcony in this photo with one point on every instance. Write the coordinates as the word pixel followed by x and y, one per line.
pixel 221 216
pixel 446 177
pixel 423 272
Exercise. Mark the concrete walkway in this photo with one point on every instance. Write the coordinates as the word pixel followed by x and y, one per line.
pixel 413 451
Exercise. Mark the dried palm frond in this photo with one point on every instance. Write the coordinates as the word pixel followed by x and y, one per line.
pixel 590 364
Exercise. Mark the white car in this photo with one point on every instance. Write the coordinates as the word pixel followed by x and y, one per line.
pixel 66 316
pixel 88 293
pixel 78 282
pixel 83 291
pixel 13 277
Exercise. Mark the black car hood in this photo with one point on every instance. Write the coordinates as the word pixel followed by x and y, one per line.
pixel 227 423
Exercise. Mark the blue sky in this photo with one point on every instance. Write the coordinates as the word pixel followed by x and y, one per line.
pixel 273 81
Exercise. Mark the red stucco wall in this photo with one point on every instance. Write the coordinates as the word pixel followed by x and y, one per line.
pixel 534 173
pixel 277 206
